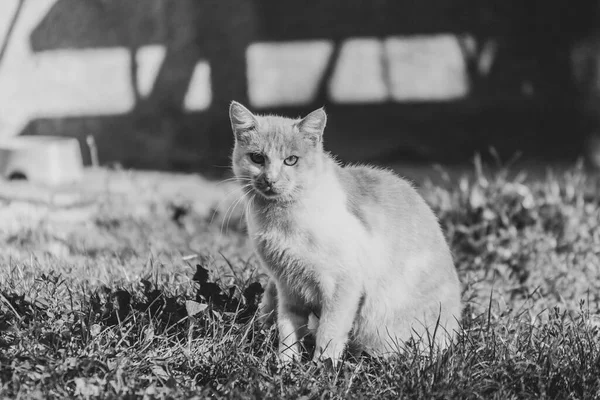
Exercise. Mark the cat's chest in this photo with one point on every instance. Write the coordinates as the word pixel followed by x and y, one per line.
pixel 308 234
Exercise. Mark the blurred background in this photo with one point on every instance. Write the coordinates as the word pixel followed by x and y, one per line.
pixel 402 81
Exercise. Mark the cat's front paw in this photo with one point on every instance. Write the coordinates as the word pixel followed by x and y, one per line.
pixel 330 355
pixel 327 361
pixel 265 319
pixel 266 313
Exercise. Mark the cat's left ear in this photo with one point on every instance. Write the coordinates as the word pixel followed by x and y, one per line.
pixel 313 125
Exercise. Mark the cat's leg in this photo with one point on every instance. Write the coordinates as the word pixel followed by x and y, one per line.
pixel 292 321
pixel 355 349
pixel 268 305
pixel 337 317
pixel 313 324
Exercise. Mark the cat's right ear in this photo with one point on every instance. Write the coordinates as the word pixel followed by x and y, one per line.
pixel 242 120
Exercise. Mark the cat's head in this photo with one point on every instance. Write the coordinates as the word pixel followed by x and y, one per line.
pixel 276 157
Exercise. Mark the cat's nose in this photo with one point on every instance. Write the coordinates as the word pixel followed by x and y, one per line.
pixel 269 180
pixel 268 184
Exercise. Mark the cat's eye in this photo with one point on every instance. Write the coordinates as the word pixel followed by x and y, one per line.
pixel 291 160
pixel 257 158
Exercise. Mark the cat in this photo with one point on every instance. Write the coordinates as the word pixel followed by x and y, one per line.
pixel 354 254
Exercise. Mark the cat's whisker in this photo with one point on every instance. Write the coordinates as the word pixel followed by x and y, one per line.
pixel 245 209
pixel 234 179
pixel 232 208
pixel 236 191
pixel 248 205
pixel 218 207
pixel 236 204
pixel 252 202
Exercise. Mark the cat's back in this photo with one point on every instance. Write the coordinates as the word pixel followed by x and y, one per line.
pixel 395 216
pixel 376 194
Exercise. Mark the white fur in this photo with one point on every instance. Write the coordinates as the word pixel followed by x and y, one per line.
pixel 374 277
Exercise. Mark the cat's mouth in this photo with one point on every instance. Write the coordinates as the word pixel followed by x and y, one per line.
pixel 268 192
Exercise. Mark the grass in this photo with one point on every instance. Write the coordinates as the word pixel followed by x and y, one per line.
pixel 147 294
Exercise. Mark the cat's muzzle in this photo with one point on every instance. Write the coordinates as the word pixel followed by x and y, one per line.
pixel 267 189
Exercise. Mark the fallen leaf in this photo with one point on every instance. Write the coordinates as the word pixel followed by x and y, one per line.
pixel 193 307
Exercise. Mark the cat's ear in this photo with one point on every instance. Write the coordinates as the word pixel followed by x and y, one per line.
pixel 242 120
pixel 313 125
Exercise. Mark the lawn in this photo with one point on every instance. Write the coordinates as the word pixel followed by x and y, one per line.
pixel 140 284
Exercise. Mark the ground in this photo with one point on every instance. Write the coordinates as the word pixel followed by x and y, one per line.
pixel 142 284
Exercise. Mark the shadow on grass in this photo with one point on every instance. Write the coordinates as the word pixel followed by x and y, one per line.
pixel 112 306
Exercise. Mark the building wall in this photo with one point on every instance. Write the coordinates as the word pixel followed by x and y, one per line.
pixel 152 80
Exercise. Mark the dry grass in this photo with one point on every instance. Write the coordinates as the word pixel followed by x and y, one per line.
pixel 101 300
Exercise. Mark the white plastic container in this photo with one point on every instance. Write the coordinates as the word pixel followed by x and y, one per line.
pixel 48 160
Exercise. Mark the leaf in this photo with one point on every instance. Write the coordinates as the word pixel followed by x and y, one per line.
pixel 160 373
pixel 86 387
pixel 252 293
pixel 95 330
pixel 193 307
pixel 201 275
pixel 212 293
pixel 149 334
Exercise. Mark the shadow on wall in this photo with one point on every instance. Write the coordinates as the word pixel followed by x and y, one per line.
pixel 152 80
pixel 180 108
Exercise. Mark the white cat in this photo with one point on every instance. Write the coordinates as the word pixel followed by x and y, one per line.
pixel 354 248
